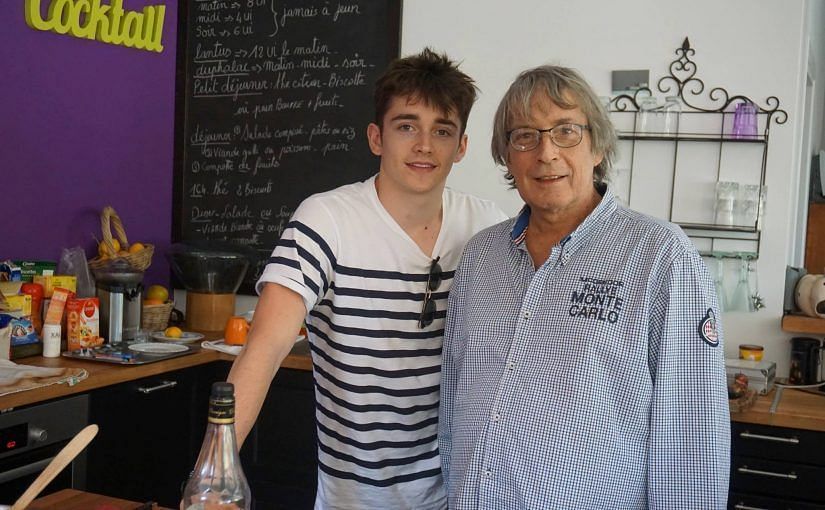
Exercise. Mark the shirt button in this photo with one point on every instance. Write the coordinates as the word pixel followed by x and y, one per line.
pixel 526 314
pixel 496 417
pixel 488 473
pixel 511 365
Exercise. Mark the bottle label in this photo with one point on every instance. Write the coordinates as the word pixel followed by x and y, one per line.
pixel 222 411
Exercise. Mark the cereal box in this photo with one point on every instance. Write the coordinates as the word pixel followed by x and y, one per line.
pixel 83 323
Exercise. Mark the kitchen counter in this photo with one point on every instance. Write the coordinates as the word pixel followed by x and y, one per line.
pixel 105 374
pixel 797 409
pixel 71 499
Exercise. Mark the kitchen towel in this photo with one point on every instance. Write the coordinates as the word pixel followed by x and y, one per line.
pixel 14 377
pixel 219 345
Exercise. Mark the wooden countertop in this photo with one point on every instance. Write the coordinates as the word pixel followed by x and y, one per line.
pixel 71 499
pixel 105 374
pixel 797 409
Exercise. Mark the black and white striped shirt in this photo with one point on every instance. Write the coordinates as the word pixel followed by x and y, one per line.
pixel 377 374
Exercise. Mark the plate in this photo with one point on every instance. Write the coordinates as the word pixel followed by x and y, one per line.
pixel 156 348
pixel 185 338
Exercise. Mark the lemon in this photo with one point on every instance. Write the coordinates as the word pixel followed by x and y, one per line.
pixel 158 292
pixel 103 248
pixel 136 247
pixel 173 332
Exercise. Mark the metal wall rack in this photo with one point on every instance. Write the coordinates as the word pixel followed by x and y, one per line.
pixel 717 117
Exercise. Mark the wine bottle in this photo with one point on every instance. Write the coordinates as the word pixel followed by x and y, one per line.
pixel 218 481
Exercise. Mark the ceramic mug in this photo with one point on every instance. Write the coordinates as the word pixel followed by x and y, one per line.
pixel 235 331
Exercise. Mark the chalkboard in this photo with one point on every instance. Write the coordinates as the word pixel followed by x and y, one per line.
pixel 273 101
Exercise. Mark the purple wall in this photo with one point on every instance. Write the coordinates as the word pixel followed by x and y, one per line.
pixel 84 124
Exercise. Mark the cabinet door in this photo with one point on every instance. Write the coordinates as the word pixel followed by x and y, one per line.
pixel 739 501
pixel 143 449
pixel 279 456
pixel 778 443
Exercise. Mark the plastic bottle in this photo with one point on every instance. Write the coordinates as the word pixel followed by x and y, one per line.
pixel 218 481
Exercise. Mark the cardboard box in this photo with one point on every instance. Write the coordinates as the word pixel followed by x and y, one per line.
pixel 761 374
pixel 83 323
pixel 17 337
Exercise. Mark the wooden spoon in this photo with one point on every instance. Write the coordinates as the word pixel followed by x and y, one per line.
pixel 60 461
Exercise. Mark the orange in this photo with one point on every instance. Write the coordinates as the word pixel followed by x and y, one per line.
pixel 149 302
pixel 158 292
pixel 173 332
pixel 136 247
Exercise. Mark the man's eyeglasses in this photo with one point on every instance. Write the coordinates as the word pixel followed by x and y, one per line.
pixel 428 308
pixel 563 135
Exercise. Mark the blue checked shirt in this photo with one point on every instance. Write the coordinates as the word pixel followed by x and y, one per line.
pixel 596 381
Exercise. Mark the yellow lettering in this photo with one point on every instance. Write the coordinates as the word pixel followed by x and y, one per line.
pixel 132 26
pixel 153 44
pixel 33 18
pixel 116 34
pixel 75 28
pixel 60 14
pixel 88 19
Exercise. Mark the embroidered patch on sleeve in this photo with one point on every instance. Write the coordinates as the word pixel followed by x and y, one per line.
pixel 707 329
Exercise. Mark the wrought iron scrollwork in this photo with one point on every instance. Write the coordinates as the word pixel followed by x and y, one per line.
pixel 683 83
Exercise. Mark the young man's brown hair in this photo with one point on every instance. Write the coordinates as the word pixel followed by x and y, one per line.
pixel 428 77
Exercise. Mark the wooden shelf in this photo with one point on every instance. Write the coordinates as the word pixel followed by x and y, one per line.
pixel 803 324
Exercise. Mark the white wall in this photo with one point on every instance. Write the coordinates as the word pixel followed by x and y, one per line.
pixel 757 48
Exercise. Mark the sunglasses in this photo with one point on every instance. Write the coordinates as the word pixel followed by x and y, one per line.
pixel 428 308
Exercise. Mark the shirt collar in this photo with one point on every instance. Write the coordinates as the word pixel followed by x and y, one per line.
pixel 596 217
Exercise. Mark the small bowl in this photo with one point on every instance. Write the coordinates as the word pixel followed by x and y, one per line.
pixel 751 352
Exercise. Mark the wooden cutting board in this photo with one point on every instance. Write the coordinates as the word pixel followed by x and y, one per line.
pixel 71 499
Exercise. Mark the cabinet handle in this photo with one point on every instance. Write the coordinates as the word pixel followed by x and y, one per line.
pixel 740 506
pixel 748 435
pixel 162 385
pixel 788 476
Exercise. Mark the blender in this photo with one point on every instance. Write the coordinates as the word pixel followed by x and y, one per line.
pixel 211 272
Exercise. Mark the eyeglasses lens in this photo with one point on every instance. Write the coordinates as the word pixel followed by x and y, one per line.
pixel 428 308
pixel 563 135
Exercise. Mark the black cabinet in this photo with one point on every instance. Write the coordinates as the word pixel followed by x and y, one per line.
pixel 279 456
pixel 150 434
pixel 776 468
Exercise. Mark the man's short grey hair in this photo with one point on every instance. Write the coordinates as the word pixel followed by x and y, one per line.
pixel 567 89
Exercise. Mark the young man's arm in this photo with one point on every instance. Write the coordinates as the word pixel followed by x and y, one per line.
pixel 278 318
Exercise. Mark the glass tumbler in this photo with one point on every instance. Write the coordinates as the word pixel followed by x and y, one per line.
pixel 744 120
pixel 671 111
pixel 649 119
pixel 741 300
pixel 747 204
pixel 726 195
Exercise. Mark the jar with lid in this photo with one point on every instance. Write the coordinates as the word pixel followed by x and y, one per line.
pixel 671 112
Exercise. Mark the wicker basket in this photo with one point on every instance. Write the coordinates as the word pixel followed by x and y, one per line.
pixel 156 317
pixel 139 260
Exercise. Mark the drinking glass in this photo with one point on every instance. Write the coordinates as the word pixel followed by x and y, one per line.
pixel 649 120
pixel 719 284
pixel 744 120
pixel 747 203
pixel 672 109
pixel 726 194
pixel 741 299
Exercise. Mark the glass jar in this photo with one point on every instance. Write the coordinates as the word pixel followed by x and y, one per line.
pixel 671 112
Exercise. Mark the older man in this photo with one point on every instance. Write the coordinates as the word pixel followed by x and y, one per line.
pixel 583 365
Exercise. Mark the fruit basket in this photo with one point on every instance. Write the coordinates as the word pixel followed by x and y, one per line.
pixel 139 258
pixel 156 317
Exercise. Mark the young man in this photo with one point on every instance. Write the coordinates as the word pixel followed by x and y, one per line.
pixel 583 362
pixel 369 265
